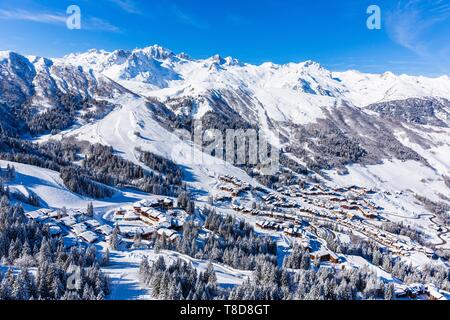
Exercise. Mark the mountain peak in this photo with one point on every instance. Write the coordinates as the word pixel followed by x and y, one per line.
pixel 313 65
pixel 184 56
pixel 156 52
pixel 227 61
pixel 5 54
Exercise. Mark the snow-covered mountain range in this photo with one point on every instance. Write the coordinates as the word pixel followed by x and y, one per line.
pixel 324 120
pixel 363 182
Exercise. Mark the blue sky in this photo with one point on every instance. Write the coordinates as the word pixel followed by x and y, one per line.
pixel 414 38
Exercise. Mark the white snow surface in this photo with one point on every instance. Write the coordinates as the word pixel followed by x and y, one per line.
pixel 290 92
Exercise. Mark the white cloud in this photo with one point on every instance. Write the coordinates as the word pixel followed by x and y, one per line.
pixel 88 23
pixel 127 5
pixel 42 17
pixel 420 26
pixel 410 22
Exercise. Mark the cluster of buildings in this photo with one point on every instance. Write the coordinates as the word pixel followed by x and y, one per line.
pixel 149 218
pixel 349 199
pixel 275 200
pixel 245 210
pixel 324 255
pixel 146 218
pixel 304 238
pixel 233 185
pixel 346 207
pixel 64 222
pixel 416 290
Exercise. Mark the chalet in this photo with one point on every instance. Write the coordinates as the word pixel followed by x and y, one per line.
pixel 290 204
pixel 178 213
pixel 260 189
pixel 121 212
pixel 226 188
pixel 416 289
pixel 169 234
pixel 79 228
pixel 166 203
pixel 148 232
pixel 145 233
pixel 349 207
pixel 136 208
pixel 400 291
pixel 290 217
pixel 429 252
pixel 320 256
pixel 131 216
pixel 264 224
pixel 75 213
pixel 105 230
pixel 434 293
pixel 222 198
pixel 56 214
pixel 88 236
pixel 237 208
pixel 46 211
pixel 68 221
pixel 151 216
pixel 176 223
pixel 334 258
pixel 261 224
pixel 146 203
pixel 294 232
pixel 92 224
pixel 164 221
pixel 37 216
pixel 369 214
pixel 278 215
pixel 225 178
pixel 127 230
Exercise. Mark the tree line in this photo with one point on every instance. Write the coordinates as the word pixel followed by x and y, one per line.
pixel 25 244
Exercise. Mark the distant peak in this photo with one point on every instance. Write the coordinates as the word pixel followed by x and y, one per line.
pixel 5 54
pixel 312 64
pixel 11 55
pixel 270 65
pixel 217 58
pixel 227 61
pixel 157 52
pixel 97 51
pixel 388 74
pixel 183 55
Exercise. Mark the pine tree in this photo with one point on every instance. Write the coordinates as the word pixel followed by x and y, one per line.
pixel 105 260
pixel 211 277
pixel 90 210
pixel 114 239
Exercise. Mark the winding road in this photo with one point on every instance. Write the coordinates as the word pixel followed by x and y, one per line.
pixel 432 218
